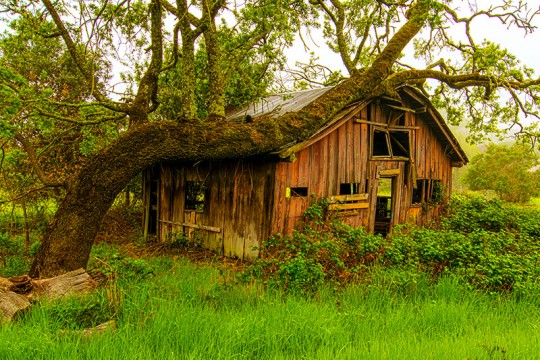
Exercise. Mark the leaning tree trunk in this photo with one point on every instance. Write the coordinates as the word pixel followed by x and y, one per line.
pixel 69 237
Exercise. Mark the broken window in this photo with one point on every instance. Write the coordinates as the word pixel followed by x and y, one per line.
pixel 390 143
pixel 299 191
pixel 437 191
pixel 427 191
pixel 349 188
pixel 380 146
pixel 418 193
pixel 195 196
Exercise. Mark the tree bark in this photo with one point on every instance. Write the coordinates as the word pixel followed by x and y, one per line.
pixel 69 237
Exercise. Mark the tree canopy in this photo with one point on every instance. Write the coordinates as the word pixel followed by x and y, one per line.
pixel 93 92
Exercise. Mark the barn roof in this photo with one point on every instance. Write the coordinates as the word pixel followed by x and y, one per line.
pixel 279 104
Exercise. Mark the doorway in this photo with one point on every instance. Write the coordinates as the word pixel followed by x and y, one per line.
pixel 384 211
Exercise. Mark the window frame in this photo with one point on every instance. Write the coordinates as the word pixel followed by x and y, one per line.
pixel 190 191
pixel 387 131
pixel 298 192
pixel 431 192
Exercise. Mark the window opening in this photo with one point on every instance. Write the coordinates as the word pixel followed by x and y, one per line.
pixel 417 194
pixel 383 215
pixel 427 191
pixel 399 141
pixel 299 191
pixel 195 196
pixel 437 193
pixel 390 143
pixel 349 188
pixel 380 143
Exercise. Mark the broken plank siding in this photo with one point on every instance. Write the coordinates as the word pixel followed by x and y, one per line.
pixel 238 202
pixel 165 201
pixel 279 199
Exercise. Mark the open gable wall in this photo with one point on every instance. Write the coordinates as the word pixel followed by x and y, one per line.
pixel 343 156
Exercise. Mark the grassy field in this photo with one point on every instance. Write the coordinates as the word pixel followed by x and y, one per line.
pixel 169 308
pixel 468 289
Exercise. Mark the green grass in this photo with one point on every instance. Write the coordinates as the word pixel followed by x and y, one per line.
pixel 535 202
pixel 186 311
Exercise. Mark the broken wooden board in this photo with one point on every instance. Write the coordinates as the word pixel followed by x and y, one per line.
pixel 348 202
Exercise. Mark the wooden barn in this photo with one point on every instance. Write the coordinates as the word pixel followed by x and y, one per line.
pixel 383 162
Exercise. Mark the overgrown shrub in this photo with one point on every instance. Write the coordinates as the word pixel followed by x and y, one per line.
pixel 483 242
pixel 322 251
pixel 470 213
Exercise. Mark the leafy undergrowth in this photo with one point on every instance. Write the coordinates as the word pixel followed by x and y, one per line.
pixel 487 245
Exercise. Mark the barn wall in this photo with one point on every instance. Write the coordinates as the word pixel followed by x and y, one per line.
pixel 340 157
pixel 343 156
pixel 236 216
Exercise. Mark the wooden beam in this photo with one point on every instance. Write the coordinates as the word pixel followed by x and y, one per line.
pixel 400 108
pixel 383 125
pixel 363 121
pixel 347 198
pixel 194 226
pixel 348 206
pixel 390 172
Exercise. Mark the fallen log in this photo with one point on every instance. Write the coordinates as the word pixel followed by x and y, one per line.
pixel 17 293
pixel 73 282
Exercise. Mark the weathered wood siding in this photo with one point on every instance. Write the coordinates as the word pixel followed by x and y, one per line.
pixel 343 156
pixel 238 203
pixel 340 157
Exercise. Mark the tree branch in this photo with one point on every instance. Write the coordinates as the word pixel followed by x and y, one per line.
pixel 72 48
pixel 46 180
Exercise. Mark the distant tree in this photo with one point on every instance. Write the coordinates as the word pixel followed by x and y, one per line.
pixel 507 170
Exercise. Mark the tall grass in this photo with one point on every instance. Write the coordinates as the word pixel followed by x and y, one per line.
pixel 186 311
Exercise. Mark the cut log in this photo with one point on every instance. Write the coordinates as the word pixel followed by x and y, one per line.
pixel 12 304
pixel 73 282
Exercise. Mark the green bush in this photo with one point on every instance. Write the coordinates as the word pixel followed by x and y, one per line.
pixel 484 243
pixel 470 213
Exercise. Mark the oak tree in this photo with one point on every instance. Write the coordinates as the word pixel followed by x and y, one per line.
pixel 170 110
